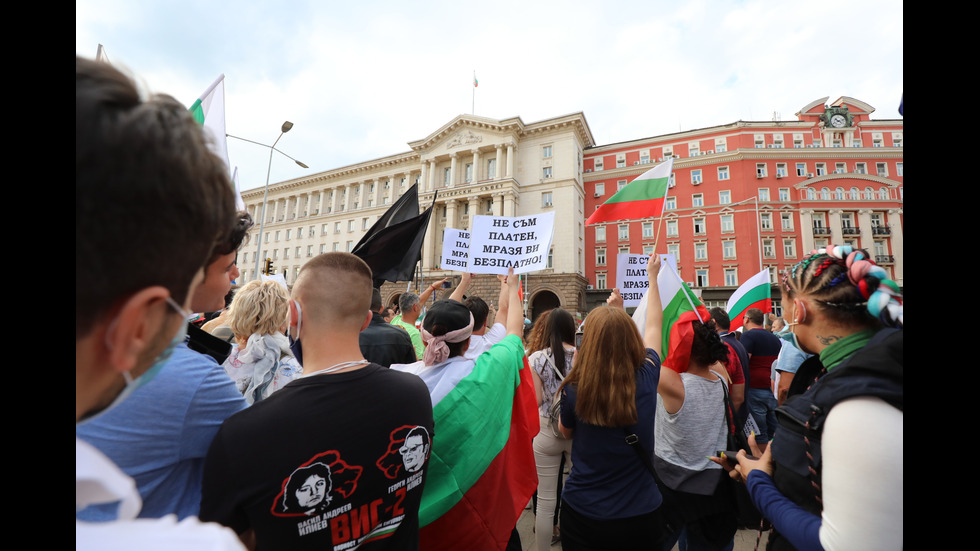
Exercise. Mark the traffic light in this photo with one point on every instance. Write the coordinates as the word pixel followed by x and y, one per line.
pixel 269 268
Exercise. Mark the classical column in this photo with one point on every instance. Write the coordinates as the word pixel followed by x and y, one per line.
pixel 867 240
pixel 432 175
pixel 428 243
pixel 324 194
pixel 474 210
pixel 498 204
pixel 452 169
pixel 498 164
pixel 897 240
pixel 476 165
pixel 510 205
pixel 424 180
pixel 451 214
pixel 510 161
pixel 834 222
pixel 806 229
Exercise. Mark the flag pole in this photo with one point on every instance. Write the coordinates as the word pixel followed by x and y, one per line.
pixel 473 106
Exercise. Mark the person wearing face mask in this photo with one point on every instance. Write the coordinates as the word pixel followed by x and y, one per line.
pixel 787 363
pixel 831 479
pixel 151 202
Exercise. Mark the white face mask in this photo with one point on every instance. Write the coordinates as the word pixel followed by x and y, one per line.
pixel 148 375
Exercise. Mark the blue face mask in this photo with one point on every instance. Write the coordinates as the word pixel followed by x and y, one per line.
pixel 294 346
pixel 148 375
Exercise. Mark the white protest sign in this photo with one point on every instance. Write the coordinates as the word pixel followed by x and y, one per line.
pixel 455 249
pixel 519 242
pixel 631 276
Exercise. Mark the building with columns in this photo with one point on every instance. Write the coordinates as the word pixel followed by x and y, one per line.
pixel 748 196
pixel 471 165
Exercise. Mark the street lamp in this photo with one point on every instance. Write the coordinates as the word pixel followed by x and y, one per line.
pixel 758 225
pixel 286 127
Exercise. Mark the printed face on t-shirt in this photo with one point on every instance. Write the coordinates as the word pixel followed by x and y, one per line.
pixel 312 491
pixel 413 453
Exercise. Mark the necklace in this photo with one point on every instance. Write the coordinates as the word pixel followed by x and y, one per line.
pixel 337 367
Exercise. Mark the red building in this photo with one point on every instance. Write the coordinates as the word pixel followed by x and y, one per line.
pixel 748 196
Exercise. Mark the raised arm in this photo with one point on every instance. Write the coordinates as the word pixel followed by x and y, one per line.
pixel 653 333
pixel 464 283
pixel 504 299
pixel 424 297
pixel 515 316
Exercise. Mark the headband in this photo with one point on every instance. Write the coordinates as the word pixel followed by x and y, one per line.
pixel 436 350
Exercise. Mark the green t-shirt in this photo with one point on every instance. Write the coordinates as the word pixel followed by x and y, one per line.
pixel 414 333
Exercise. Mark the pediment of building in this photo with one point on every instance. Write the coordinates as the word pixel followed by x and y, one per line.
pixel 466 132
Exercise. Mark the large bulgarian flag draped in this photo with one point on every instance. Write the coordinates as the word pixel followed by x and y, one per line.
pixel 641 198
pixel 481 471
pixel 209 110
pixel 676 298
pixel 754 293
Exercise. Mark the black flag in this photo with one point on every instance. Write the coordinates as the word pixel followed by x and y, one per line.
pixel 393 245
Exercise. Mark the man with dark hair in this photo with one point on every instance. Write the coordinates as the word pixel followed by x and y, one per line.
pixel 151 202
pixel 724 324
pixel 161 436
pixel 345 413
pixel 763 349
pixel 383 343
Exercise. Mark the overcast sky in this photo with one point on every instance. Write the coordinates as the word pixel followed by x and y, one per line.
pixel 362 79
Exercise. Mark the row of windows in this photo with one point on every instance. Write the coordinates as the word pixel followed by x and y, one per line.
pixel 314 199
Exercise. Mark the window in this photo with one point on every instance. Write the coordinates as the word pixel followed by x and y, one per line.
pixel 839 194
pixel 821 169
pixel 701 279
pixel 700 251
pixel 693 149
pixel 728 249
pixel 598 164
pixel 323 229
pixel 551 258
pixel 763 194
pixel 620 184
pixel 840 168
pixel 670 203
pixel 801 169
pixel 883 194
pixel 855 193
pixel 723 173
pixel 364 223
pixel 882 169
pixel 620 160
pixel 697 200
pixel 624 250
pixel 312 231
pixel 825 194
pixel 648 250
pixel 336 247
pixel 624 232
pixel 766 221
pixel 811 193
pixel 696 177
pixel 777 141
pixel 675 250
pixel 797 141
pixel 546 152
pixel 277 235
pixel 786 221
pixel 897 139
pixel 275 254
pixel 861 168
pixel 600 281
pixel 600 256
pixel 760 141
pixel 760 170
pixel 296 255
pixel 546 199
pixel 244 258
pixel 725 197
pixel 600 234
pixel 784 194
pixel 668 151
pixel 468 171
pixel 645 157
pixel 600 189
pixel 727 223
pixel 781 170
pixel 877 140
pixel 289 234
pixel 899 169
pixel 445 176
pixel 699 227
pixel 768 248
pixel 648 230
pixel 266 237
pixel 336 227
pixel 789 248
pixel 323 248
pixel 721 145
pixel 672 228
pixel 491 168
pixel 731 277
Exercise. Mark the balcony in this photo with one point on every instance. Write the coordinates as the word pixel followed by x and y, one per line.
pixel 880 230
pixel 821 230
pixel 850 231
pixel 884 259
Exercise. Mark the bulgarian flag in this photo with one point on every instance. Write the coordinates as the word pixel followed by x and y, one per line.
pixel 641 198
pixel 209 110
pixel 754 293
pixel 676 298
pixel 481 471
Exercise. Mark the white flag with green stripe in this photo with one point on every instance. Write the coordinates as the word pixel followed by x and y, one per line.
pixel 676 298
pixel 209 110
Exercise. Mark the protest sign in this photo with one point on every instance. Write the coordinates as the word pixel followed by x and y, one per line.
pixel 631 276
pixel 501 242
pixel 455 249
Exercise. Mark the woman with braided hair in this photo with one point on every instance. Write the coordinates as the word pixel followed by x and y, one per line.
pixel 832 477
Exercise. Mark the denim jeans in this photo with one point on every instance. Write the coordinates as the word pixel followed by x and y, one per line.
pixel 763 405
